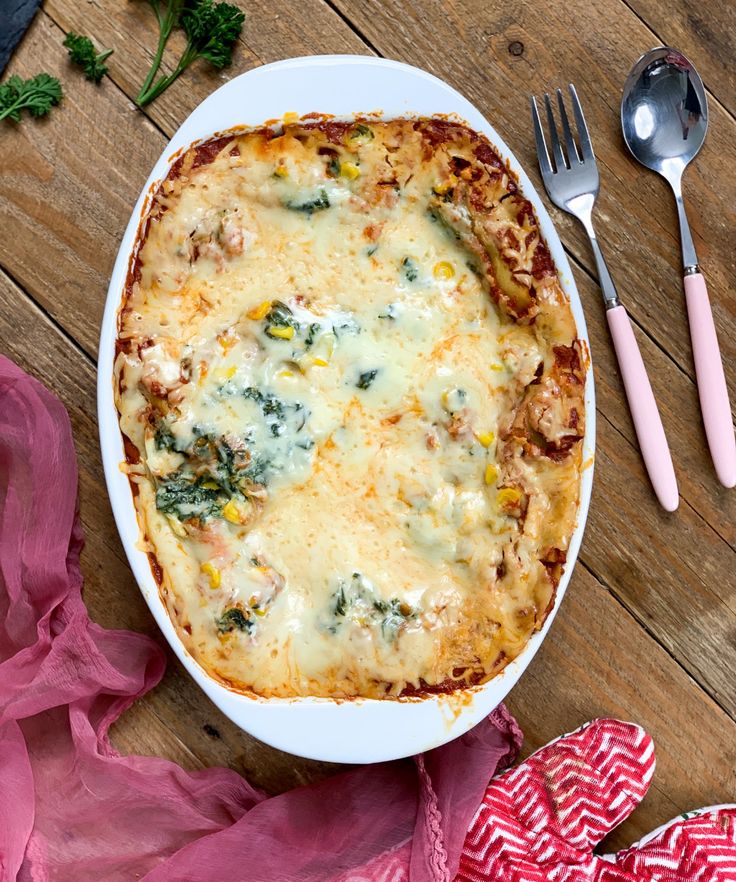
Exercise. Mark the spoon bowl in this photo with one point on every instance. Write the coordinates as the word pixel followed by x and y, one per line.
pixel 664 118
pixel 664 112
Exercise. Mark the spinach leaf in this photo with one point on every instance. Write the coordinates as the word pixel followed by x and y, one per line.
pixel 361 132
pixel 410 270
pixel 312 332
pixel 340 602
pixel 184 496
pixel 232 619
pixel 366 379
pixel 163 437
pixel 358 597
pixel 280 316
pixel 395 614
pixel 309 206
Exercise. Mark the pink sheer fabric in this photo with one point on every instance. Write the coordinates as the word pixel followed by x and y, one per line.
pixel 74 810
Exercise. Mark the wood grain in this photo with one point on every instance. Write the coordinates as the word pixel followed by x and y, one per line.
pixel 67 186
pixel 647 630
pixel 272 31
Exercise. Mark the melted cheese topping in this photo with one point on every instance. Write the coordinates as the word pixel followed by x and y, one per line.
pixel 357 472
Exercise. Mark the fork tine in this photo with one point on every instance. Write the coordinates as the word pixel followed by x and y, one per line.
pixel 572 150
pixel 559 156
pixel 585 144
pixel 545 166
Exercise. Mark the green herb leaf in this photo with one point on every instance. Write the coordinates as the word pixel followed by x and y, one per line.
pixel 82 52
pixel 37 95
pixel 340 602
pixel 234 619
pixel 211 29
pixel 361 132
pixel 182 495
pixel 309 206
pixel 410 270
pixel 396 614
pixel 312 332
pixel 366 379
pixel 280 316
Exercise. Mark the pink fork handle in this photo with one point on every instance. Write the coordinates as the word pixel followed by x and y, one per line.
pixel 714 403
pixel 649 429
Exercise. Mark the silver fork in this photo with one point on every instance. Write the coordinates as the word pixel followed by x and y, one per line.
pixel 572 181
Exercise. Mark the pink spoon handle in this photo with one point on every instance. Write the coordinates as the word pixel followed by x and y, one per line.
pixel 649 429
pixel 714 403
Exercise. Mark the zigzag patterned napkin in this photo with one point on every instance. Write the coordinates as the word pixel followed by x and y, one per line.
pixel 540 821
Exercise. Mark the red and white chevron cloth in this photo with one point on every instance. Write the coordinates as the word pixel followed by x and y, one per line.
pixel 540 821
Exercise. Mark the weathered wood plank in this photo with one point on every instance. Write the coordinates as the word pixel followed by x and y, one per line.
pixel 67 187
pixel 272 31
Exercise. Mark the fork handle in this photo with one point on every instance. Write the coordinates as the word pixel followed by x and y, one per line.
pixel 647 422
pixel 714 403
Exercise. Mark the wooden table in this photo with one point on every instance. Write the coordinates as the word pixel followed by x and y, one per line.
pixel 647 631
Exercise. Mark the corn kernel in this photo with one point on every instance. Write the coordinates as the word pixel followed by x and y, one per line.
pixel 282 333
pixel 497 367
pixel 349 170
pixel 319 362
pixel 231 512
pixel 491 474
pixel 443 270
pixel 210 485
pixel 286 374
pixel 281 171
pixel 259 611
pixel 212 573
pixel 260 311
pixel 508 497
pixel 221 374
pixel 290 117
pixel 226 342
pixel 445 186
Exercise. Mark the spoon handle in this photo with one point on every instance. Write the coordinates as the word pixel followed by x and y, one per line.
pixel 648 424
pixel 714 403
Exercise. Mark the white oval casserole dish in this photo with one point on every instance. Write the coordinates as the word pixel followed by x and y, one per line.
pixel 362 730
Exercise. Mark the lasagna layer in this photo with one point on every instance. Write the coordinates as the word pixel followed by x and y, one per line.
pixel 352 397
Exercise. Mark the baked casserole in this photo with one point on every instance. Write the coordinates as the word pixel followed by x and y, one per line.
pixel 352 398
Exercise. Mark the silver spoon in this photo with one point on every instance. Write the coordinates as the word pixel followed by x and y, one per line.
pixel 664 116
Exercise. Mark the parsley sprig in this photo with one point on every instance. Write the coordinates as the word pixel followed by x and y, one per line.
pixel 211 29
pixel 82 52
pixel 37 95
